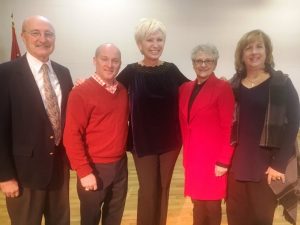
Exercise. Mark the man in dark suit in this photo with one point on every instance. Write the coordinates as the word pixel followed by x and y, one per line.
pixel 34 175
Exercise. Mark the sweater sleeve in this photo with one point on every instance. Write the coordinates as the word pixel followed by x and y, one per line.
pixel 77 117
pixel 225 108
pixel 287 149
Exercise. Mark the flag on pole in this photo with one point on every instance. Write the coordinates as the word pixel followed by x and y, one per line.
pixel 15 51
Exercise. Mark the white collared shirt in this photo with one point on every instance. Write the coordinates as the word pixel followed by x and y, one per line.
pixel 35 66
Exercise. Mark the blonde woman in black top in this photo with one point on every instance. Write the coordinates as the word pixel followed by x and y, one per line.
pixel 154 139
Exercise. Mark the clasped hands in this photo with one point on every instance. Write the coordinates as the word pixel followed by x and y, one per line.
pixel 272 174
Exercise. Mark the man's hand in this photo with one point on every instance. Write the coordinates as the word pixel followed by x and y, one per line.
pixel 89 182
pixel 274 175
pixel 223 78
pixel 10 188
pixel 79 82
pixel 220 171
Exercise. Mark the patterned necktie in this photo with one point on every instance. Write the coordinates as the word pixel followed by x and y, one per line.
pixel 51 104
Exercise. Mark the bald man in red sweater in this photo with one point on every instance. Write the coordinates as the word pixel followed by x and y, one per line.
pixel 95 137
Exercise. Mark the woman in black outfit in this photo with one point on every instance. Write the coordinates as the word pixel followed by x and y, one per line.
pixel 265 129
pixel 154 139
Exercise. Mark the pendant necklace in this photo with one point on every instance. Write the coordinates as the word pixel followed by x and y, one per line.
pixel 252 83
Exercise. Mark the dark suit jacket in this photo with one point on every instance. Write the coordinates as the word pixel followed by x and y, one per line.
pixel 27 149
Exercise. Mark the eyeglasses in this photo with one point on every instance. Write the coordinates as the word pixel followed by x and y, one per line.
pixel 207 62
pixel 38 34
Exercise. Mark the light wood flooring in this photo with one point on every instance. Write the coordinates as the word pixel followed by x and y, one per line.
pixel 180 208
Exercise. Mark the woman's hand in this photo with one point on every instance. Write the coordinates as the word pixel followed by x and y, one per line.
pixel 79 81
pixel 220 171
pixel 274 175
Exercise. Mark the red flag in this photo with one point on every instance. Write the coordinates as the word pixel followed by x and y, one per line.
pixel 15 51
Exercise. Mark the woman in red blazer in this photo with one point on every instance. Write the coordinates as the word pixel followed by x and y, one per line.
pixel 206 111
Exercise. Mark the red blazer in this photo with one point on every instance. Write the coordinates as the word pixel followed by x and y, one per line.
pixel 206 137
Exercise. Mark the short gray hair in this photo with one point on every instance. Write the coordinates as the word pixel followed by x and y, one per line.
pixel 147 27
pixel 207 49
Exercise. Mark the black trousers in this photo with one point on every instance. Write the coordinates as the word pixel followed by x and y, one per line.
pixel 32 205
pixel 250 203
pixel 108 201
pixel 154 174
pixel 207 212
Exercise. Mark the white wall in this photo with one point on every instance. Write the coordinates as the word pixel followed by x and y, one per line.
pixel 81 25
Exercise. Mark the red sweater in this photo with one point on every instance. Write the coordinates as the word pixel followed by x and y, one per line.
pixel 96 126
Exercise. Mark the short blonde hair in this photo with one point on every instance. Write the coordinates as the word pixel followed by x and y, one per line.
pixel 147 27
pixel 248 38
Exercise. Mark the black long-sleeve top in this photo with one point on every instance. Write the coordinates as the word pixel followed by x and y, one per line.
pixel 250 161
pixel 265 126
pixel 153 96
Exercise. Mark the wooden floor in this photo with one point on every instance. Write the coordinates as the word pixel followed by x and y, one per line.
pixel 180 208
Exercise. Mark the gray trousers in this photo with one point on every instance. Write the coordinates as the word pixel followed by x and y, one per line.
pixel 108 201
pixel 154 174
pixel 32 204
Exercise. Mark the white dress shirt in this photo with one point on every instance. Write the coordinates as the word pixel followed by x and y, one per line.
pixel 35 66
